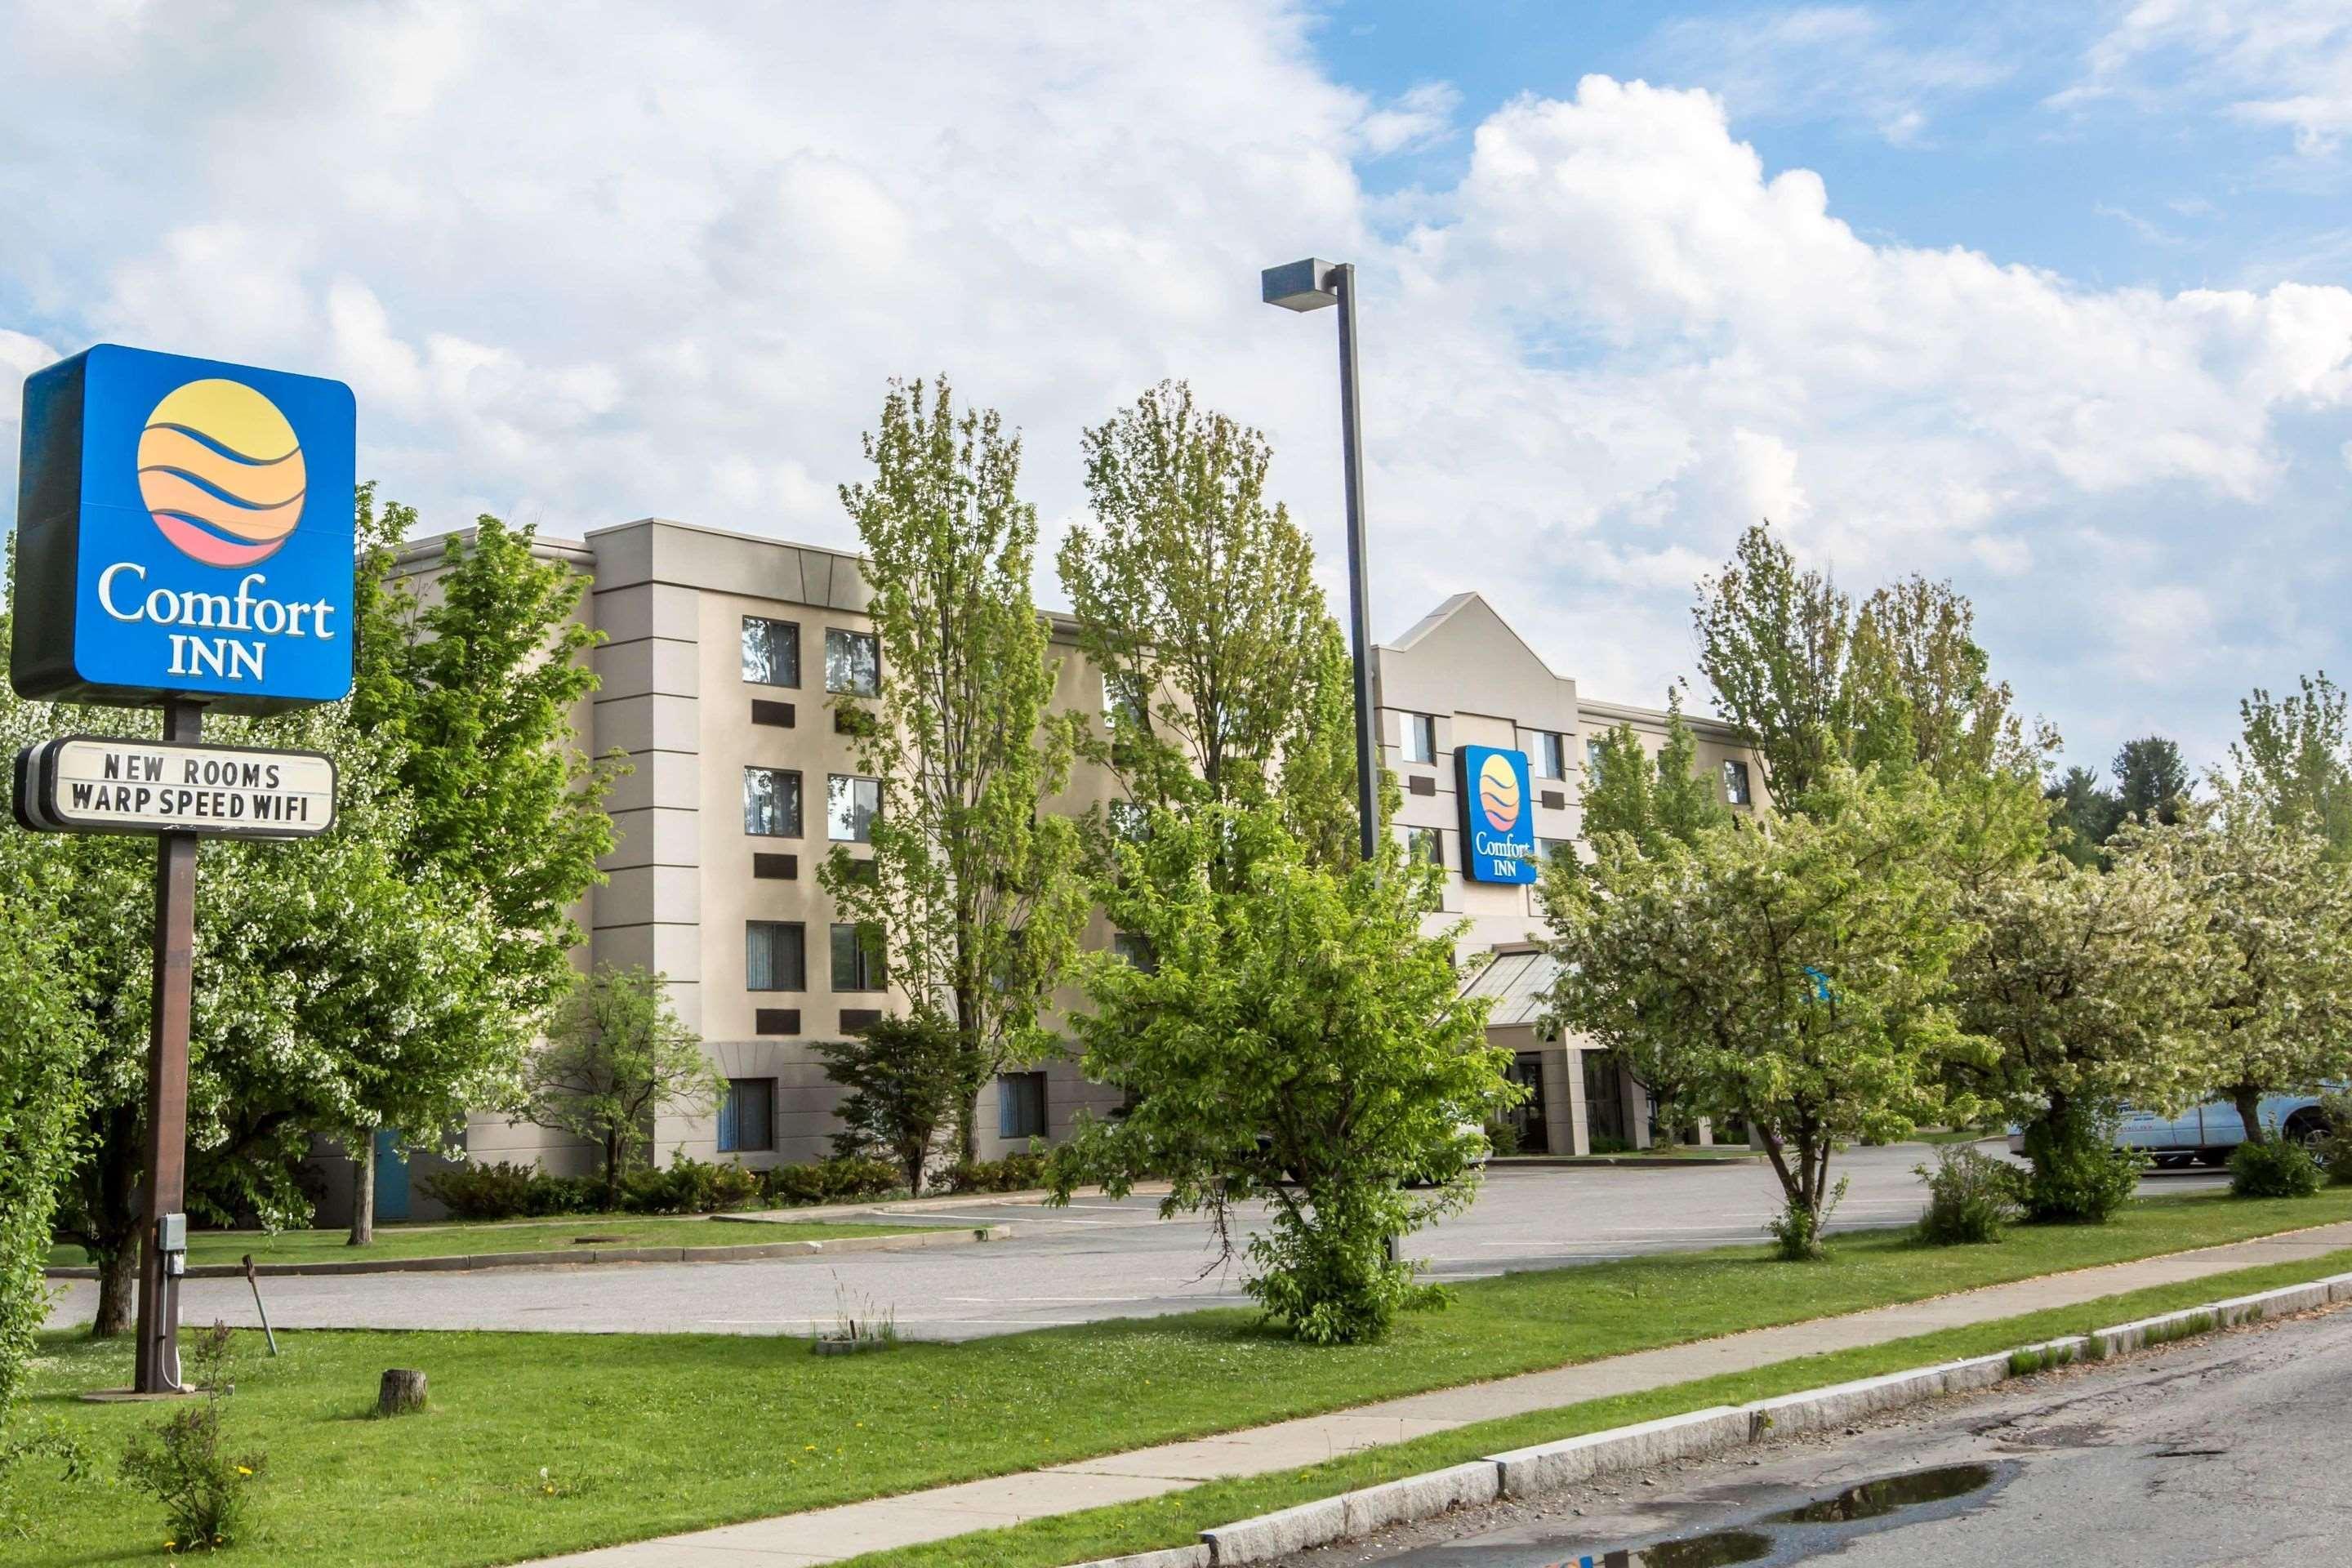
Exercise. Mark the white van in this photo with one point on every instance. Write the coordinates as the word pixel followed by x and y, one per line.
pixel 2207 1134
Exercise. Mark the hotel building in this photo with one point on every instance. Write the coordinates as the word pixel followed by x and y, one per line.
pixel 722 653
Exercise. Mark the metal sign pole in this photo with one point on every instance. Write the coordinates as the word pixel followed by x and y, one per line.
pixel 167 1087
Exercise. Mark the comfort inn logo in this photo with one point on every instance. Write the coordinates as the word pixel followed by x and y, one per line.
pixel 185 528
pixel 1498 836
pixel 221 472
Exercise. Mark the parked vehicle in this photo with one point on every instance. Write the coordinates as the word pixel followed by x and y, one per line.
pixel 2205 1134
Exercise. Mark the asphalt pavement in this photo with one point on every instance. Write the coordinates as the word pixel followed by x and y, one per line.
pixel 2229 1449
pixel 1096 1259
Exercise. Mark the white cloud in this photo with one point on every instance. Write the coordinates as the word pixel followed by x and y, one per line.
pixel 591 263
pixel 1835 62
pixel 2285 63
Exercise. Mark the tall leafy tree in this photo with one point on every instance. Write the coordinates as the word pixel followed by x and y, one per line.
pixel 2293 758
pixel 2090 990
pixel 1817 683
pixel 1792 977
pixel 1773 643
pixel 1296 1040
pixel 1651 799
pixel 471 691
pixel 974 891
pixel 2152 782
pixel 2276 912
pixel 44 1042
pixel 1194 594
pixel 324 977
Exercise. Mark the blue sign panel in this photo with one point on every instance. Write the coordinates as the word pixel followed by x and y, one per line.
pixel 184 529
pixel 1498 840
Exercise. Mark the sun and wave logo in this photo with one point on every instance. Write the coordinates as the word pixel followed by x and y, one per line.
pixel 221 472
pixel 1498 792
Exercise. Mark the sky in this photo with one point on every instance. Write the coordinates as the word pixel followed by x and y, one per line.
pixel 2054 302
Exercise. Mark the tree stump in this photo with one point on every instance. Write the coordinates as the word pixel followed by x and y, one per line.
pixel 401 1393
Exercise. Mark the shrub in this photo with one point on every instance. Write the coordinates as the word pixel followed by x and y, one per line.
pixel 2079 1177
pixel 688 1186
pixel 2274 1168
pixel 835 1180
pixel 553 1195
pixel 1797 1230
pixel 2336 1145
pixel 1014 1174
pixel 184 1462
pixel 498 1191
pixel 1971 1197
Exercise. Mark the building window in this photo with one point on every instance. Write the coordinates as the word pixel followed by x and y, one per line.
pixel 1550 849
pixel 1135 949
pixel 1735 782
pixel 1551 755
pixel 850 804
pixel 858 958
pixel 771 803
pixel 1021 1105
pixel 772 652
pixel 1424 844
pixel 1129 823
pixel 746 1117
pixel 775 956
pixel 1593 762
pixel 1123 698
pixel 1419 738
pixel 853 663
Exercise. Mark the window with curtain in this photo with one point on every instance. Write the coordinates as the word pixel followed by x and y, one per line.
pixel 775 956
pixel 772 652
pixel 771 803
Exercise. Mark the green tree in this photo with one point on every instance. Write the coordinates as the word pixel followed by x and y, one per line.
pixel 2293 757
pixel 471 690
pixel 1791 977
pixel 44 1042
pixel 2151 781
pixel 908 1080
pixel 1651 799
pixel 974 889
pixel 1195 596
pixel 2087 812
pixel 616 1057
pixel 1816 683
pixel 1298 1040
pixel 322 974
pixel 2276 911
pixel 2089 988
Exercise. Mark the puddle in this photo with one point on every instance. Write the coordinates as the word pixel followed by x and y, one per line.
pixel 1871 1499
pixel 1794 1535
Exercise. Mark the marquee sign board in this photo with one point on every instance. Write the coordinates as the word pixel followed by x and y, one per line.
pixel 184 529
pixel 110 783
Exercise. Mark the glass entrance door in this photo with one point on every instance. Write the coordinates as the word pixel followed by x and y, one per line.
pixel 1528 1118
pixel 1604 1103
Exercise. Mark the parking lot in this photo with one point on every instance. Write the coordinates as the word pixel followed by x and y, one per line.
pixel 1095 1258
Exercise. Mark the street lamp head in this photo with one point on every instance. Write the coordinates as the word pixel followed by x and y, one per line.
pixel 1304 285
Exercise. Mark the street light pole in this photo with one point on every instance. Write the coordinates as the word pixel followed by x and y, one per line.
pixel 1310 285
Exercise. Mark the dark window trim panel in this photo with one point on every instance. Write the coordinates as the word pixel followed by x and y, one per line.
pixel 776 1020
pixel 1419 785
pixel 776 868
pixel 1557 800
pixel 776 715
pixel 857 1020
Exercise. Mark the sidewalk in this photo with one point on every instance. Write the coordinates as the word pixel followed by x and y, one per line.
pixel 830 1534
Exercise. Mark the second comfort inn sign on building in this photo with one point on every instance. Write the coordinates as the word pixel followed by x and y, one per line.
pixel 184 529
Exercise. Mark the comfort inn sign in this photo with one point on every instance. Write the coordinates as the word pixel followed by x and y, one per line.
pixel 183 530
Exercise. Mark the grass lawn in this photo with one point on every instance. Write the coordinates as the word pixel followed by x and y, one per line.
pixel 506 1236
pixel 1177 1518
pixel 540 1443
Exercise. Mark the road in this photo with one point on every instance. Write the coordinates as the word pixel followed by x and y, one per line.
pixel 2232 1450
pixel 1094 1259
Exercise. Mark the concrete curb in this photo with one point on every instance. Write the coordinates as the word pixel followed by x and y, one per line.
pixel 1552 1466
pixel 912 1241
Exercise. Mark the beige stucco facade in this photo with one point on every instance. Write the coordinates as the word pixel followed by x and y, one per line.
pixel 687 880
